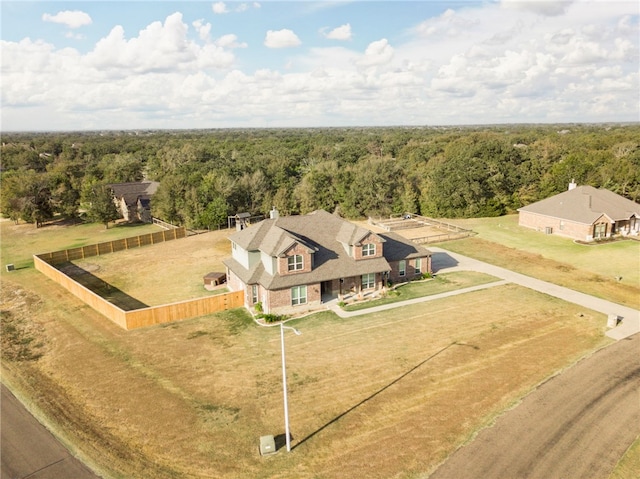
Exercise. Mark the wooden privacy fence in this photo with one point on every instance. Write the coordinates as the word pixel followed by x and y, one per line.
pixel 114 246
pixel 137 318
pixel 87 296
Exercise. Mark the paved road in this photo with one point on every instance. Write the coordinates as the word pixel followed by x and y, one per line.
pixel 576 425
pixel 29 450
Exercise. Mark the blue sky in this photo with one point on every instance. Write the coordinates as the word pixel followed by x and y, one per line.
pixel 84 65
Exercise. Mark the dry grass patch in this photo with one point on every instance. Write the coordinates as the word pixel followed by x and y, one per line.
pixel 629 465
pixel 561 273
pixel 157 274
pixel 382 395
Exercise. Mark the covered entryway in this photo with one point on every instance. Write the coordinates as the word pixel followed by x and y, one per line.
pixel 327 291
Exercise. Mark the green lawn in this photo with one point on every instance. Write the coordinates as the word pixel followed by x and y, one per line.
pixel 615 259
pixel 417 289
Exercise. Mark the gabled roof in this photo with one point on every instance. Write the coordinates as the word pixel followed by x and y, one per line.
pixel 585 204
pixel 397 247
pixel 324 234
pixel 351 234
pixel 131 191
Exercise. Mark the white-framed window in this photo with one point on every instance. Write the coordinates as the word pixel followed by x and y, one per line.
pixel 254 293
pixel 561 225
pixel 295 262
pixel 368 281
pixel 368 249
pixel 402 268
pixel 298 295
pixel 418 265
pixel 600 230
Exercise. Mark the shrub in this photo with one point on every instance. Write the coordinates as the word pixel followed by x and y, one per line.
pixel 273 318
pixel 258 307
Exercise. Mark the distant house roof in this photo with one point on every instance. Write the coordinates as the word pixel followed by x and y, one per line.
pixel 130 192
pixel 585 204
pixel 324 235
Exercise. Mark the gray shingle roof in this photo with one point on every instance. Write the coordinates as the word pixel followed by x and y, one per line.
pixel 585 204
pixel 131 191
pixel 324 234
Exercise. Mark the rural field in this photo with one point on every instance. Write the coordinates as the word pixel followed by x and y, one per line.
pixel 380 395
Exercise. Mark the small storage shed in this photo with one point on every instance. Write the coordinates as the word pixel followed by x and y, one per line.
pixel 211 280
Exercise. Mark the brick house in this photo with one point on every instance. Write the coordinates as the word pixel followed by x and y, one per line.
pixel 133 200
pixel 583 213
pixel 297 263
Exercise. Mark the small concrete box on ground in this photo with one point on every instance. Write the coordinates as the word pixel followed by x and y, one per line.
pixel 613 320
pixel 267 445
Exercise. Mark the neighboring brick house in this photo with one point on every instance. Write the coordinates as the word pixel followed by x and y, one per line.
pixel 297 263
pixel 583 213
pixel 133 200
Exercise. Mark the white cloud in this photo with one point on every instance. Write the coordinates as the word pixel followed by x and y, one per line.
pixel 377 53
pixel 70 18
pixel 230 41
pixel 541 7
pixel 219 8
pixel 159 47
pixel 342 32
pixel 474 64
pixel 74 36
pixel 203 29
pixel 281 39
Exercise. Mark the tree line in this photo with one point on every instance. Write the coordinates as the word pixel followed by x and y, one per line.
pixel 206 175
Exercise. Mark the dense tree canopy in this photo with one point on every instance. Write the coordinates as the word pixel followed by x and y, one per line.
pixel 206 175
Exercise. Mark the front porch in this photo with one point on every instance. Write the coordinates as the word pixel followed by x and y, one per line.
pixel 353 288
